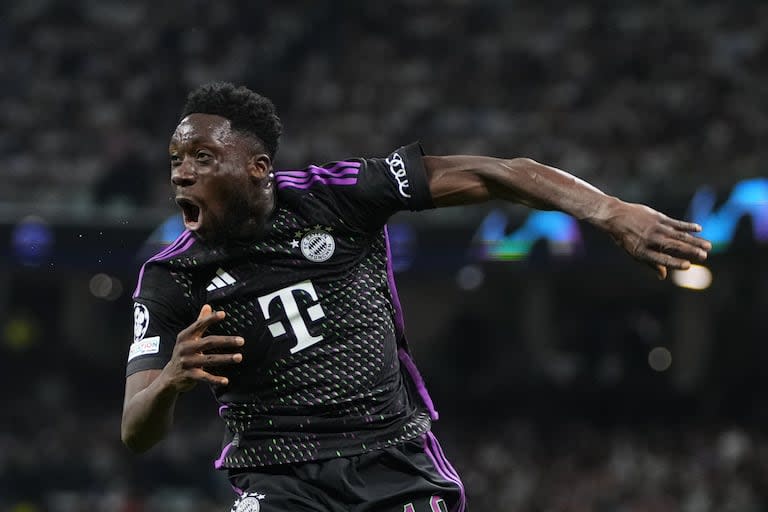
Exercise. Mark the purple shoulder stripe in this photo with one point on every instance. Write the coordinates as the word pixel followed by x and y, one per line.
pixel 178 246
pixel 340 173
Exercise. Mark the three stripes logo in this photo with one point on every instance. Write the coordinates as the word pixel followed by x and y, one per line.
pixel 339 173
pixel 221 280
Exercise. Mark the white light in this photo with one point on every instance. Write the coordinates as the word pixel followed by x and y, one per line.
pixel 105 287
pixel 660 359
pixel 470 277
pixel 695 278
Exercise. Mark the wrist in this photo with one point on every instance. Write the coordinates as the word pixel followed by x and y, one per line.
pixel 168 386
pixel 604 211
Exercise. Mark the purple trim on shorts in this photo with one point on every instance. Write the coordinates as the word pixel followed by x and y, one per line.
pixel 439 451
pixel 218 463
pixel 444 468
pixel 405 357
pixel 178 246
pixel 237 490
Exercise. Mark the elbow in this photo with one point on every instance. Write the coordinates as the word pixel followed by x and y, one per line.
pixel 133 441
pixel 135 445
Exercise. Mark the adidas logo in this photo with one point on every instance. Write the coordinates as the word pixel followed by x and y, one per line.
pixel 221 280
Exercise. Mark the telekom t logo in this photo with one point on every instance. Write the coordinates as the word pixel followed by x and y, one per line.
pixel 287 296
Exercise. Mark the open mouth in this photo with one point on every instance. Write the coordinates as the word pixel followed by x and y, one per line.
pixel 191 213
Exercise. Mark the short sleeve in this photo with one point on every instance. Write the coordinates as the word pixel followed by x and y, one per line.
pixel 365 192
pixel 156 325
pixel 398 181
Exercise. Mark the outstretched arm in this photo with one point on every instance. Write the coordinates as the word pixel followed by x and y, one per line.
pixel 647 235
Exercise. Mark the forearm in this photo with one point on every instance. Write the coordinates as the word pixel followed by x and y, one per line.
pixel 148 415
pixel 548 188
pixel 470 179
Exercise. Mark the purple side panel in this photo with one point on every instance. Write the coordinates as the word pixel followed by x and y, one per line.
pixel 405 357
pixel 218 463
pixel 181 244
pixel 421 388
pixel 443 467
pixel 399 323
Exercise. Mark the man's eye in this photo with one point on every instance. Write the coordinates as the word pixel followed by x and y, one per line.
pixel 202 155
pixel 175 159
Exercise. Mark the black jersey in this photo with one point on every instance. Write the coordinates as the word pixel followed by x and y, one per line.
pixel 325 370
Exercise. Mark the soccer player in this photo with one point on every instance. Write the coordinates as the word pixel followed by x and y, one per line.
pixel 279 295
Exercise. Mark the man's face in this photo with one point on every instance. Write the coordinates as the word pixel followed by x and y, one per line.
pixel 220 178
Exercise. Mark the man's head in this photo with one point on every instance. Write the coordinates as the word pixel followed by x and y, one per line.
pixel 221 161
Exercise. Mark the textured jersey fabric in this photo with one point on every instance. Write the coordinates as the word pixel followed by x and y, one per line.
pixel 325 372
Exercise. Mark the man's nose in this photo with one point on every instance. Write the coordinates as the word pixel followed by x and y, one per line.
pixel 184 174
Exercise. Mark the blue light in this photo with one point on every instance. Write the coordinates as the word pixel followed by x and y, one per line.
pixel 32 239
pixel 559 229
pixel 168 231
pixel 748 197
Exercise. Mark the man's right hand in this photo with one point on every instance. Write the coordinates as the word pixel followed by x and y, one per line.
pixel 194 354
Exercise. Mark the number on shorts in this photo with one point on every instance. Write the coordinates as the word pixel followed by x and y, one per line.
pixel 436 504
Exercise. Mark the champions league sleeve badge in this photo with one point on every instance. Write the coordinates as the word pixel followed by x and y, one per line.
pixel 248 502
pixel 140 321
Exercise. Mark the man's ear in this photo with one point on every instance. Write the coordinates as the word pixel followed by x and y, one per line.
pixel 259 165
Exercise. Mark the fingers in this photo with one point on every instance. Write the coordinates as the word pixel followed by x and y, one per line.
pixel 205 319
pixel 695 241
pixel 192 367
pixel 203 376
pixel 679 244
pixel 660 259
pixel 682 250
pixel 218 343
pixel 209 360
pixel 681 231
pixel 682 225
pixel 205 311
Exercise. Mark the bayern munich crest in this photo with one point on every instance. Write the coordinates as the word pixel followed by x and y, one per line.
pixel 248 502
pixel 317 245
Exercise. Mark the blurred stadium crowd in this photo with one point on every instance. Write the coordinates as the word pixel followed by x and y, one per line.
pixel 622 93
pixel 510 465
pixel 642 99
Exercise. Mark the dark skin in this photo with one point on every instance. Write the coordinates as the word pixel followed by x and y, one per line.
pixel 223 185
pixel 221 179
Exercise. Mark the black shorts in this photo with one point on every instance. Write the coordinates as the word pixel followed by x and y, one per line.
pixel 410 477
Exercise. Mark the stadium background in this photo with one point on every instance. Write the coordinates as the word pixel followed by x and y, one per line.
pixel 568 378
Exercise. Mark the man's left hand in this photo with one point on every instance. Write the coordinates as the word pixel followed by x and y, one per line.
pixel 653 238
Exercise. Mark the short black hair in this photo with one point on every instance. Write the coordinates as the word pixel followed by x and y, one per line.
pixel 248 112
